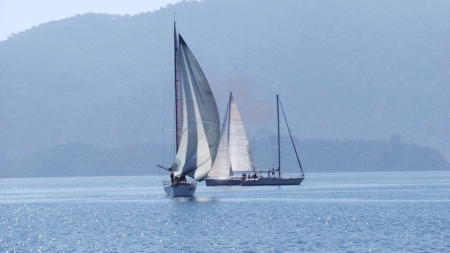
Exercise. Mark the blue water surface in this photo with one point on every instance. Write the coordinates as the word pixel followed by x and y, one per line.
pixel 341 212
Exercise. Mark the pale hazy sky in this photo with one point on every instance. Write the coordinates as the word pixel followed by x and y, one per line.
pixel 19 15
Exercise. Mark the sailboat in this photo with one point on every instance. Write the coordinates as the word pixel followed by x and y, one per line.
pixel 234 154
pixel 274 180
pixel 197 124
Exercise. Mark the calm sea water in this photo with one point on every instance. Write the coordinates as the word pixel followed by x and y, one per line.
pixel 349 212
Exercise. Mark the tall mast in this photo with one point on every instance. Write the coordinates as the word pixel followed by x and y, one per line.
pixel 229 118
pixel 178 105
pixel 279 148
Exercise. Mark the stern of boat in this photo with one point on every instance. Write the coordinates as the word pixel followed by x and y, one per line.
pixel 180 189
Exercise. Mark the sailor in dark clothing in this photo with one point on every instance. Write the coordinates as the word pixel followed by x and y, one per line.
pixel 171 177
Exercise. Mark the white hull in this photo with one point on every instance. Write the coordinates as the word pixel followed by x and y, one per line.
pixel 180 189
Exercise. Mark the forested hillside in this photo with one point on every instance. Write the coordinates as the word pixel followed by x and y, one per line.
pixel 344 69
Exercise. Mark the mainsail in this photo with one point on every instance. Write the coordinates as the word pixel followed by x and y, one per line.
pixel 234 149
pixel 199 136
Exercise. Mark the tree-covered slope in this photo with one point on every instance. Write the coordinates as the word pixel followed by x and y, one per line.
pixel 345 70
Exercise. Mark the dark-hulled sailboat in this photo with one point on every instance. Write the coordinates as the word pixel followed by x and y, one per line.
pixel 291 180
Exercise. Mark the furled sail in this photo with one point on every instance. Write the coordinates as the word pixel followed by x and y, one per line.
pixel 201 124
pixel 234 149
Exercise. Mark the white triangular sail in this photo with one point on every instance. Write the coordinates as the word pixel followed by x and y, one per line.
pixel 222 164
pixel 240 155
pixel 234 149
pixel 201 124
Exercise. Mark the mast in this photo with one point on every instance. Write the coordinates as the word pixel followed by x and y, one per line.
pixel 228 120
pixel 279 153
pixel 178 105
pixel 230 168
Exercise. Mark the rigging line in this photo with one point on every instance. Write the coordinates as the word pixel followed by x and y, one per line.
pixel 162 143
pixel 165 105
pixel 289 130
pixel 165 109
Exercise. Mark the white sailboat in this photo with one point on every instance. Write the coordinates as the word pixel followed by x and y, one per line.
pixel 197 124
pixel 234 154
pixel 274 180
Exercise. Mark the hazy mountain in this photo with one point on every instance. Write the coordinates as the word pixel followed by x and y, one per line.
pixel 76 159
pixel 344 69
pixel 319 155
